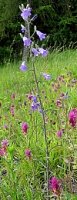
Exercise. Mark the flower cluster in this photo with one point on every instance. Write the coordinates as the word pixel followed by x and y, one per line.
pixel 3 149
pixel 27 42
pixel 24 128
pixel 35 105
pixel 12 110
pixel 26 12
pixel 39 51
pixel 28 153
pixel 59 133
pixel 23 67
pixel 55 185
pixel 46 76
pixel 73 117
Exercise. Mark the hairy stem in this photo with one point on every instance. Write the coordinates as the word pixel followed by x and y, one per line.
pixel 45 134
pixel 26 50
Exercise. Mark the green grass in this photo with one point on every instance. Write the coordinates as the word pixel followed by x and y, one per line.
pixel 25 179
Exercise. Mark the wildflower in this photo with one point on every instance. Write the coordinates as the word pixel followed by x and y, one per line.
pixel 60 133
pixel 4 143
pixel 5 126
pixel 46 76
pixel 2 152
pixel 26 41
pixel 28 153
pixel 41 35
pixel 35 106
pixel 73 117
pixel 23 67
pixel 12 110
pixel 3 149
pixel 35 52
pixel 55 185
pixel 26 12
pixel 23 29
pixel 30 96
pixel 59 103
pixel 24 127
pixel 43 52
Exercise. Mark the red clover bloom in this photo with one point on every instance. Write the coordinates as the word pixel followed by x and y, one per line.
pixel 4 143
pixel 2 152
pixel 28 153
pixel 55 185
pixel 60 133
pixel 24 127
pixel 12 110
pixel 73 117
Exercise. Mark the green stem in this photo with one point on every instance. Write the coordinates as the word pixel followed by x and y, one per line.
pixel 45 134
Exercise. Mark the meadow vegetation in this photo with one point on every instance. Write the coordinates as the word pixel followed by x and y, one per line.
pixel 23 162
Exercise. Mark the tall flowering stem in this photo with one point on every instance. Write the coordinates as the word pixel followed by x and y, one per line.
pixel 27 34
pixel 44 128
pixel 25 14
pixel 29 45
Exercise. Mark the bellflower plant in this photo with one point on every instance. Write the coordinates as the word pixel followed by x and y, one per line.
pixel 3 149
pixel 24 128
pixel 4 143
pixel 35 105
pixel 59 133
pixel 73 117
pixel 2 152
